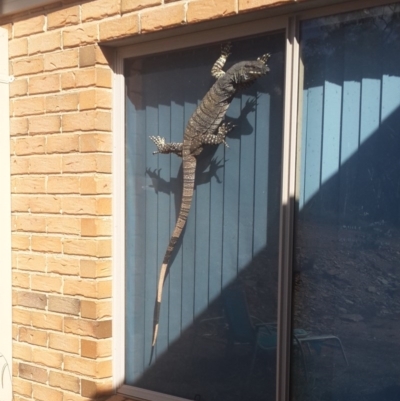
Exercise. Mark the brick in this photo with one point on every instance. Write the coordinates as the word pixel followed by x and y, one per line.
pixel 96 348
pixel 22 351
pixel 79 205
pixel 29 223
pixel 63 184
pixel 33 336
pixel 87 121
pixel 96 185
pixel 247 5
pixel 47 321
pixel 29 146
pixel 20 242
pixel 44 84
pixel 95 268
pixel 28 185
pixel 47 42
pixel 28 106
pixel 19 165
pixel 18 126
pixel 45 357
pixel 44 125
pixel 48 284
pixel 32 373
pixel 88 367
pixel 86 163
pixel 96 143
pixel 63 305
pixel 99 9
pixel 75 397
pixel 63 225
pixel 63 342
pixel 61 60
pixel 204 10
pixel 64 381
pixel 93 227
pixel 95 98
pixel 46 243
pixel 27 66
pixel 87 247
pixel 68 80
pixel 31 262
pixel 45 204
pixel 80 36
pixel 19 87
pixel 31 299
pixel 85 78
pixel 87 56
pixel 45 164
pixel 103 78
pixel 91 388
pixel 135 5
pixel 64 143
pixel 22 317
pixel 19 203
pixel 21 280
pixel 104 207
pixel 63 17
pixel 96 309
pixel 29 26
pixel 162 18
pixel 89 328
pixel 89 289
pixel 22 387
pixel 61 103
pixel 44 393
pixel 119 28
pixel 18 48
pixel 62 265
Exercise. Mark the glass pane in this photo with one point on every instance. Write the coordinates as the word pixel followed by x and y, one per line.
pixel 231 236
pixel 347 239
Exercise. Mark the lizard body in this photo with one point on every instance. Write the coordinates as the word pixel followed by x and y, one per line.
pixel 205 127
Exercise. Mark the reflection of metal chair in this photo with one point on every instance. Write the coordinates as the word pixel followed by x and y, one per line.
pixel 246 329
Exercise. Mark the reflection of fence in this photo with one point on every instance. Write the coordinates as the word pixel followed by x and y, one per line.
pixel 5 380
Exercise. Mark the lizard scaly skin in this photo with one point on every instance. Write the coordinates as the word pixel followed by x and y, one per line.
pixel 205 127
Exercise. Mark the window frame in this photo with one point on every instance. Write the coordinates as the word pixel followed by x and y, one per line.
pixel 289 23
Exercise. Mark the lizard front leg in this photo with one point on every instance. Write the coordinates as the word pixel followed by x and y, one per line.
pixel 219 137
pixel 163 147
pixel 216 70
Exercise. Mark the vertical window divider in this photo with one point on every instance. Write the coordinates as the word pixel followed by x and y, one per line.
pixel 287 210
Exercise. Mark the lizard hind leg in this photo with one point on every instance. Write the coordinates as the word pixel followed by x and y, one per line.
pixel 219 137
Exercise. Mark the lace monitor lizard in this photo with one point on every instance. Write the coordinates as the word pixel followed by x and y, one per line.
pixel 205 127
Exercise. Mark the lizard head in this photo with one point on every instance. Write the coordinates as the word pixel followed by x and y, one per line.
pixel 246 72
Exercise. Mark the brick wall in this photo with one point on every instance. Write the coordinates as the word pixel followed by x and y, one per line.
pixel 61 144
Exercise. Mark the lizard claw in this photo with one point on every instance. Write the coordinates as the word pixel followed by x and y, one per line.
pixel 264 58
pixel 226 49
pixel 160 143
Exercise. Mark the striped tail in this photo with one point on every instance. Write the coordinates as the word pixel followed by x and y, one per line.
pixel 189 169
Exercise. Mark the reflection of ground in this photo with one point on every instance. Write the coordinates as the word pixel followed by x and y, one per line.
pixel 347 283
pixel 200 367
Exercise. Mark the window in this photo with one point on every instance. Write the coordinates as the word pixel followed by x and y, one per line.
pixel 231 237
pixel 346 270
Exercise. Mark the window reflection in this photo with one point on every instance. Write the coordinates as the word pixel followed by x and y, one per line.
pixel 347 240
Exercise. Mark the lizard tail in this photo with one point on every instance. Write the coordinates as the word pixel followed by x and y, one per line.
pixel 189 168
